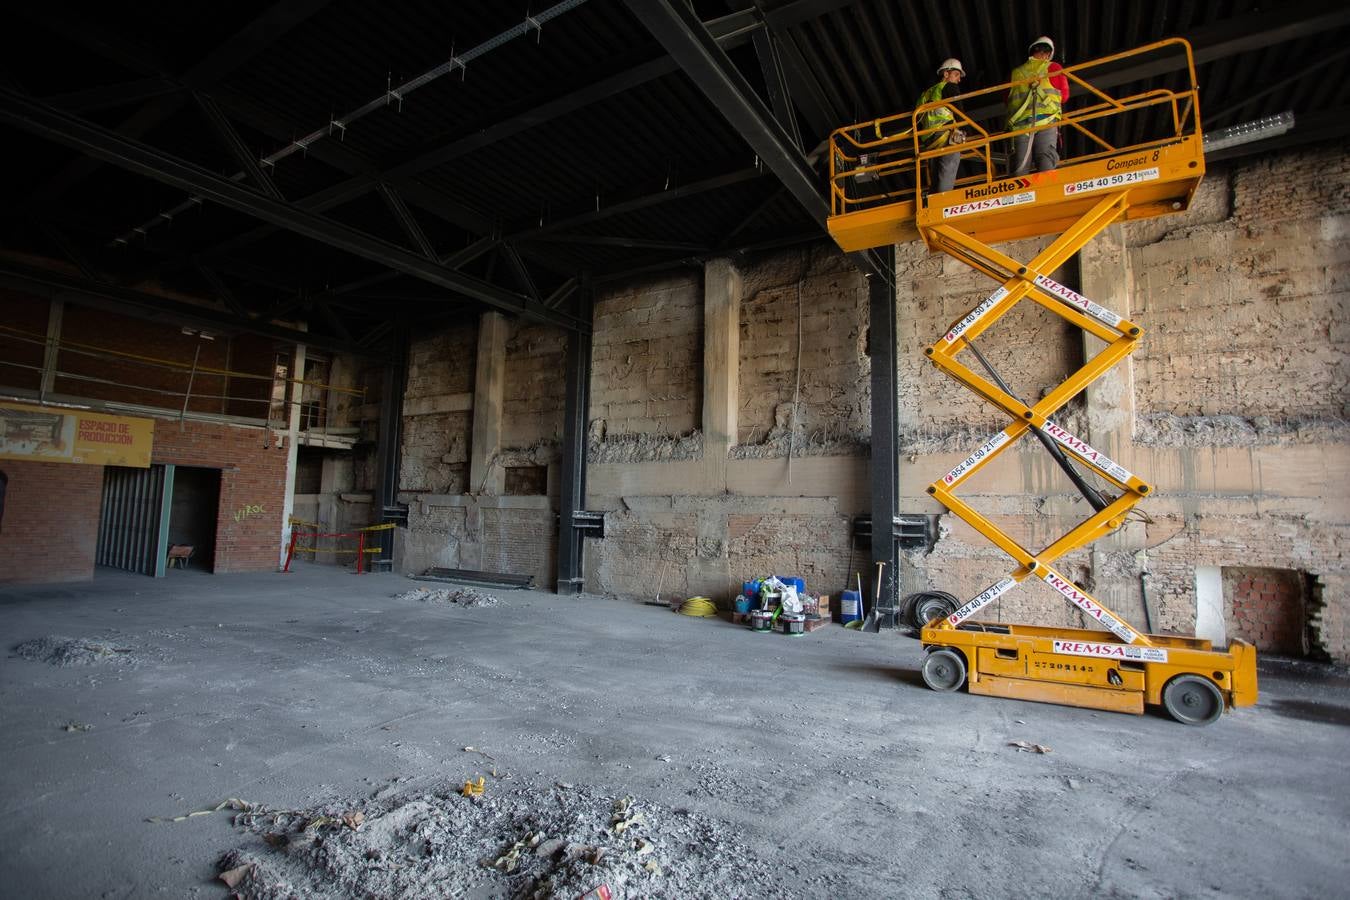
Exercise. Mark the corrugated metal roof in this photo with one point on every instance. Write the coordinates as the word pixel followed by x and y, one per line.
pixel 865 59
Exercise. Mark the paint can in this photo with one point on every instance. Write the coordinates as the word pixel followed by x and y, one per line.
pixel 761 620
pixel 794 624
pixel 850 607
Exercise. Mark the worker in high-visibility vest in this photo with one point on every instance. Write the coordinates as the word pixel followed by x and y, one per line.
pixel 943 171
pixel 1038 100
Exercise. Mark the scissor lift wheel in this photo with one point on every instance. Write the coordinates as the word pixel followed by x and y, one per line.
pixel 1193 700
pixel 944 670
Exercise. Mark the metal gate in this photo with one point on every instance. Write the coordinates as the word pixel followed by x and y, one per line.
pixel 133 522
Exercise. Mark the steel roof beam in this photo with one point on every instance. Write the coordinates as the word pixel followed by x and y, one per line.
pixel 642 201
pixel 113 95
pixel 406 220
pixel 242 46
pixel 34 117
pixel 229 136
pixel 629 243
pixel 689 43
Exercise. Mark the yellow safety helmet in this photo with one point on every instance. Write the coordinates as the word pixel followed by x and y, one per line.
pixel 1042 40
pixel 951 63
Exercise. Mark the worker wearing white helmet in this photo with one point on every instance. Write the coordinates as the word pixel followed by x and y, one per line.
pixel 937 126
pixel 1038 100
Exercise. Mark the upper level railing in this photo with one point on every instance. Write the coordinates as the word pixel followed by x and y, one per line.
pixel 1127 102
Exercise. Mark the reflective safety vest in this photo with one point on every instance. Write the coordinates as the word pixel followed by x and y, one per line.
pixel 1034 103
pixel 935 118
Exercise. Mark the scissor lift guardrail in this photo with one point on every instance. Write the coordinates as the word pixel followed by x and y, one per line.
pixel 1120 668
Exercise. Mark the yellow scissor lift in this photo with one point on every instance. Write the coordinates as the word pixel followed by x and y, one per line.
pixel 876 168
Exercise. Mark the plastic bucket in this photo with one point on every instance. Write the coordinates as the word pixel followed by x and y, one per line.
pixel 793 623
pixel 850 607
pixel 761 620
pixel 742 603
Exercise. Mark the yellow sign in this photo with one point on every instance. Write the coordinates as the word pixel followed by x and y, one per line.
pixel 53 434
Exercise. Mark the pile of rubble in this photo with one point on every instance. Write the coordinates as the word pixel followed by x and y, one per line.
pixel 516 839
pixel 464 596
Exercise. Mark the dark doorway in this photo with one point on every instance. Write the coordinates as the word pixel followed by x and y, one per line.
pixel 193 512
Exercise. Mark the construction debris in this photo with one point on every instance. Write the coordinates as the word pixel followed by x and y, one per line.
pixel 63 651
pixel 465 596
pixel 532 841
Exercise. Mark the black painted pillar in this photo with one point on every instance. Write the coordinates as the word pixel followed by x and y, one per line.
pixel 389 450
pixel 885 472
pixel 576 418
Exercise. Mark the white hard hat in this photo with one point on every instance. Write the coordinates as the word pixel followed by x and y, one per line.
pixel 952 63
pixel 1042 40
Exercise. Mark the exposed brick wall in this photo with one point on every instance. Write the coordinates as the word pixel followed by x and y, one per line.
pixel 1031 348
pixel 252 487
pixel 1266 607
pixel 26 315
pixel 520 542
pixel 1274 271
pixel 834 365
pixel 647 349
pixel 138 382
pixel 436 453
pixel 50 526
pixel 436 444
pixel 535 387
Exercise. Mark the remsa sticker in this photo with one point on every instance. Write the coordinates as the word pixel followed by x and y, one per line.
pixel 1073 298
pixel 1112 651
pixel 966 209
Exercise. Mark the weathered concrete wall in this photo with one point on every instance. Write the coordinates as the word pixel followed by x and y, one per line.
pixel 532 411
pixel 1240 389
pixel 826 373
pixel 437 412
pixel 646 377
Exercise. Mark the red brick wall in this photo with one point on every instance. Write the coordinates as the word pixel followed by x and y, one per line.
pixel 252 487
pixel 1267 608
pixel 27 316
pixel 50 527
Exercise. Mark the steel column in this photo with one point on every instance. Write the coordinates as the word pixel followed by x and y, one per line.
pixel 390 448
pixel 885 474
pixel 572 473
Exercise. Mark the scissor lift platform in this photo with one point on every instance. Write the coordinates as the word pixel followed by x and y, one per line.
pixel 877 171
pixel 1153 181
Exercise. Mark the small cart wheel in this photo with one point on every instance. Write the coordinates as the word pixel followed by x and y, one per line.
pixel 944 670
pixel 1193 700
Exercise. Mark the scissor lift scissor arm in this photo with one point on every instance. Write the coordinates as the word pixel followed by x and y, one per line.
pixel 1119 668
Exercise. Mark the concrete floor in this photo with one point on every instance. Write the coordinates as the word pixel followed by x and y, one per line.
pixel 286 690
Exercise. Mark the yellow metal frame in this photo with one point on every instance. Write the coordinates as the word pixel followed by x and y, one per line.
pixel 1118 668
pixel 892 147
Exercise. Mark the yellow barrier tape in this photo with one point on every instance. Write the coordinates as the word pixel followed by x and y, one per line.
pixel 295 521
pixel 385 527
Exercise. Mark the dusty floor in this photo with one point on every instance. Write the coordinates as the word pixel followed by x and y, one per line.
pixel 824 756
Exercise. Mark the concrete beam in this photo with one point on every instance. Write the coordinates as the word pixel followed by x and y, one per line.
pixel 489 388
pixel 722 290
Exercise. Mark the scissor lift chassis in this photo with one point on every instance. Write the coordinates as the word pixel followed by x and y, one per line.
pixel 1021 662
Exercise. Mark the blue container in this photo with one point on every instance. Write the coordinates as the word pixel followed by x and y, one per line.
pixel 798 583
pixel 850 607
pixel 751 589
